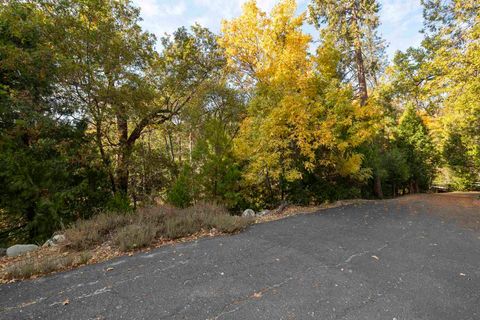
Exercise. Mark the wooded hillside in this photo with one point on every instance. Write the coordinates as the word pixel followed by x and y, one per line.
pixel 97 114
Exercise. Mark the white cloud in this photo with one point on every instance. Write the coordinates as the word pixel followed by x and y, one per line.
pixel 151 8
pixel 174 10
pixel 204 21
pixel 220 9
pixel 401 21
pixel 148 8
pixel 395 11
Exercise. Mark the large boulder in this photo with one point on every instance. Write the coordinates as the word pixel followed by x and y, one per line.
pixel 19 249
pixel 248 213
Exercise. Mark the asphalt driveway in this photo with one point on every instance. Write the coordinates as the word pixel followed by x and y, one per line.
pixel 416 257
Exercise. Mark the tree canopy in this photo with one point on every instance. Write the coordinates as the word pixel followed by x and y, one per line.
pixel 97 114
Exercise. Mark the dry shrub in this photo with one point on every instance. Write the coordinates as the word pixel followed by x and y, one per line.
pixel 231 224
pixel 134 236
pixel 181 225
pixel 84 257
pixel 86 234
pixel 33 266
pixel 20 270
pixel 143 227
pixel 202 216
pixel 128 232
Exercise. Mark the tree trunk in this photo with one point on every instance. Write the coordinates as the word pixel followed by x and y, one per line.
pixel 105 158
pixel 416 186
pixel 124 152
pixel 411 188
pixel 362 81
pixel 377 187
pixel 360 65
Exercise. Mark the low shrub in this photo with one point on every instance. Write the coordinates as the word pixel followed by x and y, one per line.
pixel 127 232
pixel 86 234
pixel 181 225
pixel 230 224
pixel 20 270
pixel 84 257
pixel 141 228
pixel 134 236
pixel 33 266
pixel 200 217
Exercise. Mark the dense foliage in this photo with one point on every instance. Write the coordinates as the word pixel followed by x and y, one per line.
pixel 96 114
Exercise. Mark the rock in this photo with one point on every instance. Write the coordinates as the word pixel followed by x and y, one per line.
pixel 19 249
pixel 263 213
pixel 58 238
pixel 3 252
pixel 55 240
pixel 248 213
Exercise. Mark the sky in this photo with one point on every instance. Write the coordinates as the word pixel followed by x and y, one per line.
pixel 401 20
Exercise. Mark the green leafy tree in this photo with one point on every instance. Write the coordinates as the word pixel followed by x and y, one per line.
pixel 416 144
pixel 181 193
pixel 48 172
pixel 352 25
pixel 452 38
pixel 123 86
pixel 301 119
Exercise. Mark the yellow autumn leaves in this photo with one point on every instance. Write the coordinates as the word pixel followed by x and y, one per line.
pixel 301 117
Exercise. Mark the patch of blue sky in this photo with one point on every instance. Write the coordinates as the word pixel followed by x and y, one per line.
pixel 401 20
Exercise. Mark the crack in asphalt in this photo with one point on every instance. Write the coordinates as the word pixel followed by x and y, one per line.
pixel 243 301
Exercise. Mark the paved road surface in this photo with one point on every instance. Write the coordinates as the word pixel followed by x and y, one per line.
pixel 413 258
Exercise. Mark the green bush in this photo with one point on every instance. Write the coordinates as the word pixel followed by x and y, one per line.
pixel 180 194
pixel 119 203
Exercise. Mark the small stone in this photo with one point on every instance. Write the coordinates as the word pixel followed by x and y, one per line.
pixel 263 213
pixel 55 240
pixel 58 238
pixel 248 213
pixel 3 252
pixel 19 249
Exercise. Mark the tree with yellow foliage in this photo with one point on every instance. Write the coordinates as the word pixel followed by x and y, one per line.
pixel 301 118
pixel 453 40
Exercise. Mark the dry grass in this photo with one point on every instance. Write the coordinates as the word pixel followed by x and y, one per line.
pixel 201 218
pixel 143 228
pixel 86 234
pixel 108 235
pixel 24 269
